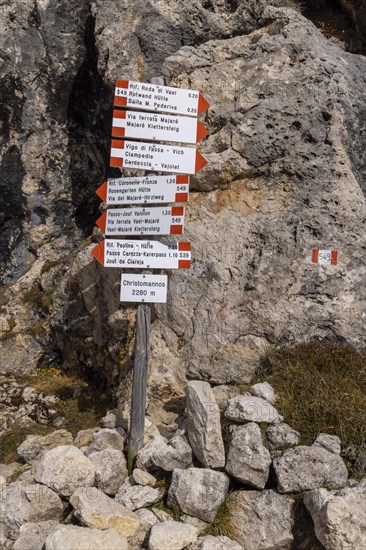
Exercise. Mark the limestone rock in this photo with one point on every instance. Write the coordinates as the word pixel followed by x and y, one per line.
pixel 109 420
pixel 247 408
pixel 34 445
pixel 33 535
pixel 138 496
pixel 339 516
pixel 10 471
pixel 222 395
pixel 171 535
pixel 64 469
pixel 164 454
pixel 104 439
pixel 110 469
pixel 143 478
pixel 97 511
pixel 161 515
pixel 261 520
pixel 248 460
pixel 21 503
pixel 199 524
pixel 304 468
pixel 198 492
pixel 84 437
pixel 204 426
pixel 2 481
pixel 216 543
pixel 330 443
pixel 281 435
pixel 264 391
pixel 147 520
pixel 70 537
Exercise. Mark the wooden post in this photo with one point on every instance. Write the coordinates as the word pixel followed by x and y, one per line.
pixel 139 383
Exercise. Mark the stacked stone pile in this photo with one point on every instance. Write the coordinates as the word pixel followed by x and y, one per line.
pixel 243 467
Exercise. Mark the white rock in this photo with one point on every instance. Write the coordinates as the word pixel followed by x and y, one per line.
pixel 138 496
pixel 21 503
pixel 171 535
pixel 143 478
pixel 2 481
pixel 223 393
pixel 198 492
pixel 281 435
pixel 71 537
pixel 34 445
pixel 339 516
pixel 109 420
pixel 147 520
pixel 247 408
pixel 64 469
pixel 161 515
pixel 110 469
pixel 96 510
pixel 33 535
pixel 248 460
pixel 106 438
pixel 198 523
pixel 261 520
pixel 85 437
pixel 160 453
pixel 265 391
pixel 304 468
pixel 204 426
pixel 331 443
pixel 215 543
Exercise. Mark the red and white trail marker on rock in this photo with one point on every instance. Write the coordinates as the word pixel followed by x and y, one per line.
pixel 156 157
pixel 163 99
pixel 145 190
pixel 167 220
pixel 324 257
pixel 143 254
pixel 135 125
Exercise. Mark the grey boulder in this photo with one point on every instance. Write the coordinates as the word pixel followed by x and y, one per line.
pixel 198 492
pixel 20 503
pixel 304 468
pixel 330 443
pixel 110 469
pixel 64 469
pixel 247 408
pixel 339 516
pixel 261 520
pixel 171 535
pixel 34 445
pixel 281 435
pixel 263 390
pixel 166 455
pixel 71 537
pixel 216 543
pixel 106 438
pixel 248 460
pixel 204 426
pixel 33 535
pixel 135 496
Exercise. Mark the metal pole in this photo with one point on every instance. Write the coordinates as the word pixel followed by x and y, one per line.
pixel 139 383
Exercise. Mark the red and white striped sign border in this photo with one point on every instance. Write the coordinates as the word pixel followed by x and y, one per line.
pixel 324 257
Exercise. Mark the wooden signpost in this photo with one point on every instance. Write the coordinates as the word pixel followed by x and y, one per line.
pixel 160 121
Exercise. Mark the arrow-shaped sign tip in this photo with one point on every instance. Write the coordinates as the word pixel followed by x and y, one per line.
pixel 201 131
pixel 203 104
pixel 102 221
pixel 102 191
pixel 98 253
pixel 200 162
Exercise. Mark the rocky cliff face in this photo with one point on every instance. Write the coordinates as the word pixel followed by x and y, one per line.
pixel 286 174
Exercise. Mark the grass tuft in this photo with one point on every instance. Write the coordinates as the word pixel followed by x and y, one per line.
pixel 221 525
pixel 321 387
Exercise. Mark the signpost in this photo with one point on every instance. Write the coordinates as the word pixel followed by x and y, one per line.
pixel 167 220
pixel 163 99
pixel 143 254
pixel 155 117
pixel 145 190
pixel 132 124
pixel 144 288
pixel 156 157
